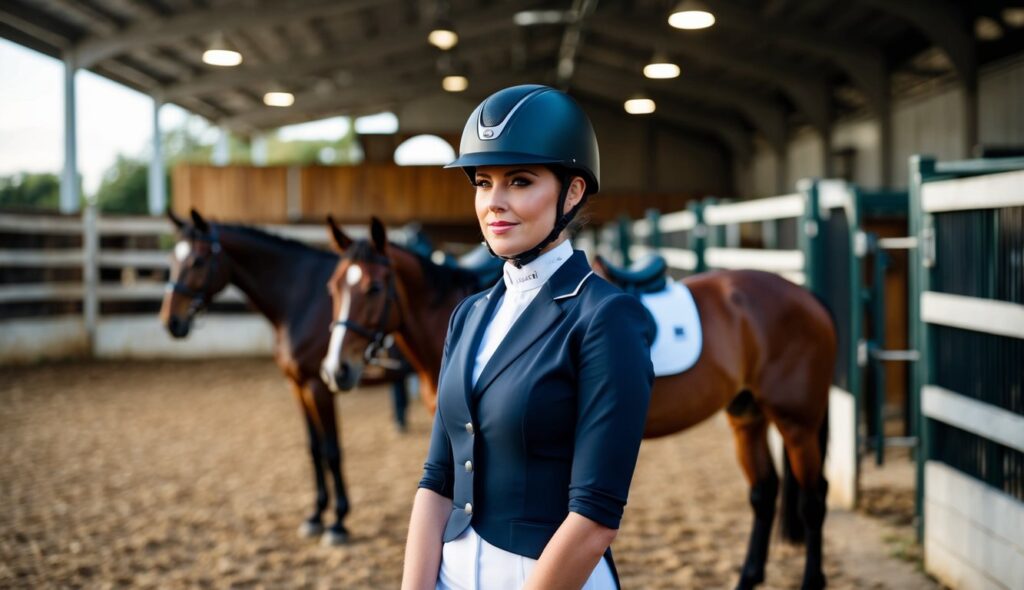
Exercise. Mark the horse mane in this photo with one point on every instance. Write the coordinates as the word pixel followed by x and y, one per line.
pixel 444 279
pixel 281 241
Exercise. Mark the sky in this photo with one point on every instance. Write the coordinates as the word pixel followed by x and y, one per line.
pixel 112 119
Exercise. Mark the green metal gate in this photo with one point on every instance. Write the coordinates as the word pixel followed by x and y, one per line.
pixel 967 321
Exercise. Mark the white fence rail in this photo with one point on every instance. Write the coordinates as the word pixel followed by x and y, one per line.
pixel 142 279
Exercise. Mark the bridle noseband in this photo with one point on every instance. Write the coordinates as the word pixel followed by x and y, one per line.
pixel 198 299
pixel 377 335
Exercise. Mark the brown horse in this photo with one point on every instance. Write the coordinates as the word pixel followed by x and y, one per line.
pixel 767 358
pixel 274 273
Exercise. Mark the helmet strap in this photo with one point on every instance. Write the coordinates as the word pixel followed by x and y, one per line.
pixel 562 221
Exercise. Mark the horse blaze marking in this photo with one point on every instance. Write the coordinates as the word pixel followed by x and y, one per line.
pixel 333 358
pixel 181 250
pixel 353 275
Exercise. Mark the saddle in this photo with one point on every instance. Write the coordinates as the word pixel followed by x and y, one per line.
pixel 646 275
pixel 487 268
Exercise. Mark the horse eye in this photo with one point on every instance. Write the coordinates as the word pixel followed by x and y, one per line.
pixel 199 260
pixel 374 289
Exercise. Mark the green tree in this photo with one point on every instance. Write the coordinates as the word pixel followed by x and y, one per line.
pixel 124 187
pixel 26 190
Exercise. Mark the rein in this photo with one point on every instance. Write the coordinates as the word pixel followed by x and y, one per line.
pixel 377 336
pixel 201 297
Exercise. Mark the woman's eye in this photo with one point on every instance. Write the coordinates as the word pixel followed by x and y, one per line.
pixel 520 182
pixel 480 183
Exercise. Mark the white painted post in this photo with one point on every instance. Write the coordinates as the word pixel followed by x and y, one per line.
pixel 69 197
pixel 258 150
pixel 157 183
pixel 221 150
pixel 90 272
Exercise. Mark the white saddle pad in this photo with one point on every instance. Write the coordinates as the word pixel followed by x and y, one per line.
pixel 678 342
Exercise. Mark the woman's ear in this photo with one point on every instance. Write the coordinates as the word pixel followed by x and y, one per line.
pixel 577 188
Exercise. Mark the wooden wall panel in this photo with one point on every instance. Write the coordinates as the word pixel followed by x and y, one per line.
pixel 396 194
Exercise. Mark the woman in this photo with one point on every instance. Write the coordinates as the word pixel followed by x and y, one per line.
pixel 545 380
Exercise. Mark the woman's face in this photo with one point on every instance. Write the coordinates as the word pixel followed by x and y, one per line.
pixel 516 205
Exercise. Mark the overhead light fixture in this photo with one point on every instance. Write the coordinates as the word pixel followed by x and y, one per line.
pixel 221 53
pixel 279 99
pixel 691 14
pixel 987 29
pixel 455 83
pixel 661 68
pixel 639 105
pixel 1014 17
pixel 529 18
pixel 443 36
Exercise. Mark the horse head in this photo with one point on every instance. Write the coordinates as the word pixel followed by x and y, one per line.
pixel 364 302
pixel 199 270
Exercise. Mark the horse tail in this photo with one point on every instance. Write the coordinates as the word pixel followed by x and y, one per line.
pixel 791 525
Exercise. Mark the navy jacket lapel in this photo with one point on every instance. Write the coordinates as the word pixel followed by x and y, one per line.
pixel 472 333
pixel 536 318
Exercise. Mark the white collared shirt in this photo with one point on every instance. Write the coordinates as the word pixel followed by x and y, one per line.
pixel 521 286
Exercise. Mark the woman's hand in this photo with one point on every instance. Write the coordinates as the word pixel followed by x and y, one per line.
pixel 430 512
pixel 571 555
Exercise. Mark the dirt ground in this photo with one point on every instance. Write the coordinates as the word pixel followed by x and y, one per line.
pixel 195 474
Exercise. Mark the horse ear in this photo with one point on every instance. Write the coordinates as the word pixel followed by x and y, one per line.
pixel 341 239
pixel 379 235
pixel 177 221
pixel 199 222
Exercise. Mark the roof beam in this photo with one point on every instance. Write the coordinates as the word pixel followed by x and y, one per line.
pixel 809 94
pixel 386 92
pixel 406 39
pixel 727 130
pixel 202 22
pixel 864 64
pixel 50 31
pixel 766 115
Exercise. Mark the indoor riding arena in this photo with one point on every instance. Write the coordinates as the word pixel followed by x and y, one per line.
pixel 194 393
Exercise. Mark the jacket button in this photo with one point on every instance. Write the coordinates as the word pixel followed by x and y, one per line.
pixel 469 427
pixel 469 466
pixel 468 508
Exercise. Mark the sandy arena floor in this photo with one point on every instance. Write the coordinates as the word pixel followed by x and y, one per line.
pixel 196 475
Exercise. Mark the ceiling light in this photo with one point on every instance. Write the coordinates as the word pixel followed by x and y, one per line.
pixel 691 14
pixel 455 83
pixel 661 68
pixel 443 36
pixel 529 18
pixel 279 99
pixel 1014 17
pixel 221 53
pixel 639 105
pixel 987 29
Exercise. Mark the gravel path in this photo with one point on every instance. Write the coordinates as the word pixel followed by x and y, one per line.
pixel 194 474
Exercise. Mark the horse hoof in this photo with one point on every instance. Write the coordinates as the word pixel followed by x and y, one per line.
pixel 334 538
pixel 749 583
pixel 815 583
pixel 310 529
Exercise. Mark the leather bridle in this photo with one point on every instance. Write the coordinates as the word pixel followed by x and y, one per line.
pixel 377 335
pixel 199 299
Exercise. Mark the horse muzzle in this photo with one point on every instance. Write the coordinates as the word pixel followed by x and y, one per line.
pixel 178 327
pixel 344 378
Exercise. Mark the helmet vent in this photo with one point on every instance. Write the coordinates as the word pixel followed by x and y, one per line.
pixel 498 107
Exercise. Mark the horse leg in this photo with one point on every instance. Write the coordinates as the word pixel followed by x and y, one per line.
pixel 324 401
pixel 313 525
pixel 804 451
pixel 400 401
pixel 750 433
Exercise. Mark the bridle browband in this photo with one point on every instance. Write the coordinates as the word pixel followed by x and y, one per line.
pixel 377 335
pixel 201 298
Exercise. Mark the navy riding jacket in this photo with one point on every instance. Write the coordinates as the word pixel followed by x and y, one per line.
pixel 554 422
